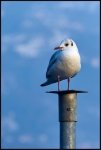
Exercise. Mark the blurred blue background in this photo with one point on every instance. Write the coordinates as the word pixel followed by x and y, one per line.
pixel 30 31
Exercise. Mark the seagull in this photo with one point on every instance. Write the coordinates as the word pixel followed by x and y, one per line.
pixel 65 63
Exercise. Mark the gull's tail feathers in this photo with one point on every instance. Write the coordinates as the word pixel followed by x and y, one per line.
pixel 45 83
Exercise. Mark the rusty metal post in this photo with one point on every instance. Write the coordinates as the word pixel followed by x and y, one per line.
pixel 67 117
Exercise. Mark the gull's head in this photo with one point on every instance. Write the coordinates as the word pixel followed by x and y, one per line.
pixel 66 44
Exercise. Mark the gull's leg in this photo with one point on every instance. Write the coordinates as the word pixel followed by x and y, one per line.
pixel 68 83
pixel 58 83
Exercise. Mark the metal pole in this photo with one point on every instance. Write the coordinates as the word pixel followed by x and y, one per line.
pixel 67 117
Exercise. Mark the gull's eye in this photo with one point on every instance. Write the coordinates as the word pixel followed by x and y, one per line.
pixel 71 43
pixel 66 44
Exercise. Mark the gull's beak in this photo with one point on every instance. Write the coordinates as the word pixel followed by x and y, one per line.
pixel 58 48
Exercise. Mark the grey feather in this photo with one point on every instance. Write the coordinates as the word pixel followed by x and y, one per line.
pixel 51 62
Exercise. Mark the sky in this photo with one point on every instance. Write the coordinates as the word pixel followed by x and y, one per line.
pixel 30 31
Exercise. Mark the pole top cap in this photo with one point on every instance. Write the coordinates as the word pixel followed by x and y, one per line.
pixel 67 92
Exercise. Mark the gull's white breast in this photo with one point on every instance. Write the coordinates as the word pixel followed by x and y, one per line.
pixel 67 65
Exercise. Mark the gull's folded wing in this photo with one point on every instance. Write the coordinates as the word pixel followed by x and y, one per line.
pixel 52 61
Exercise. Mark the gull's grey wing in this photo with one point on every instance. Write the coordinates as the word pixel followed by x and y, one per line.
pixel 53 59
